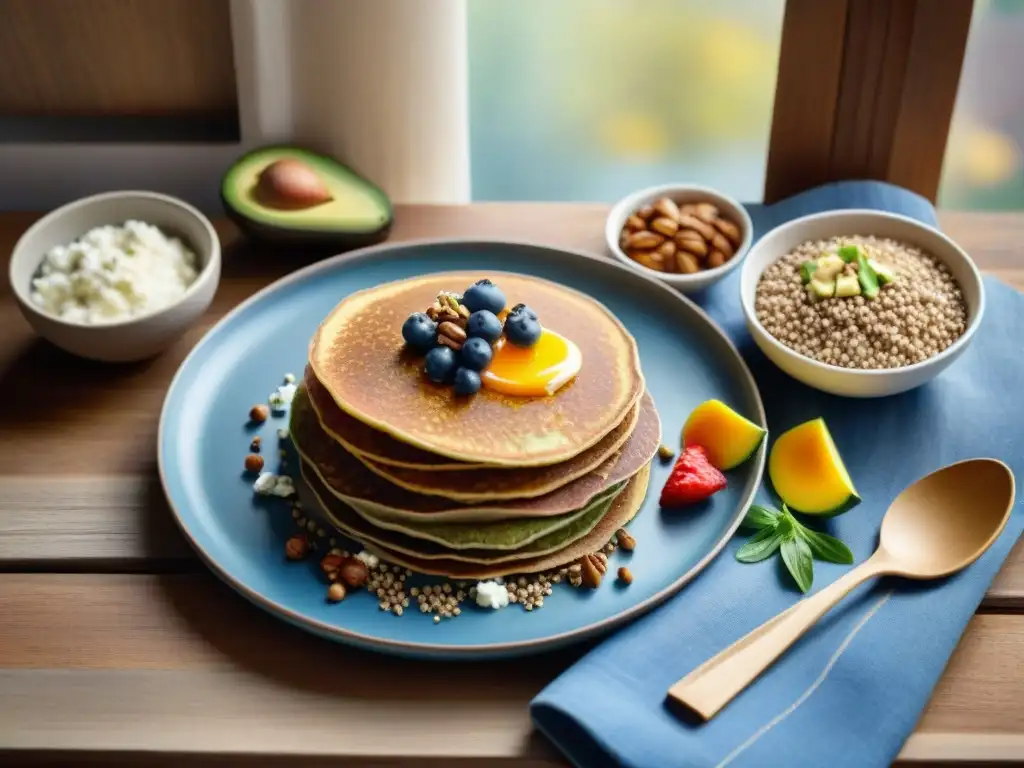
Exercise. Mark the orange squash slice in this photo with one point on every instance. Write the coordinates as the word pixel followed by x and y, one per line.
pixel 807 472
pixel 728 438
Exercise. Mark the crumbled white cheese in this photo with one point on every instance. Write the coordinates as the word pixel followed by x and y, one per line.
pixel 114 273
pixel 282 397
pixel 371 560
pixel 282 434
pixel 289 378
pixel 491 594
pixel 269 484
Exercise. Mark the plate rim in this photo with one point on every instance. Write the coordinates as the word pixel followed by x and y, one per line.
pixel 437 650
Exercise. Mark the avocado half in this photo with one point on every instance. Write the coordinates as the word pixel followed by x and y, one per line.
pixel 357 212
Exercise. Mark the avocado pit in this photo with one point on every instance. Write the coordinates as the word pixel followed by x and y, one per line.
pixel 290 184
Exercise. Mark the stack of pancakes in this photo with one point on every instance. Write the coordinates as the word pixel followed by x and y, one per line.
pixel 482 486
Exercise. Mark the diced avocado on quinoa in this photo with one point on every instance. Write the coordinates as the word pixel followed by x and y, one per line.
pixel 845 273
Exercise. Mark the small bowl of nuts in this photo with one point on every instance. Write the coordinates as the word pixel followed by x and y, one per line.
pixel 685 235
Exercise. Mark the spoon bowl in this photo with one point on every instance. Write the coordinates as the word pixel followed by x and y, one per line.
pixel 939 525
pixel 946 520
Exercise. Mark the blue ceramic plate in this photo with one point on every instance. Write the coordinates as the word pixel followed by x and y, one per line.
pixel 204 435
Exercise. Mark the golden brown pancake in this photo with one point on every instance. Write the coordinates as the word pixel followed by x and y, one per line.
pixel 482 484
pixel 623 509
pixel 374 498
pixel 574 526
pixel 359 356
pixel 370 443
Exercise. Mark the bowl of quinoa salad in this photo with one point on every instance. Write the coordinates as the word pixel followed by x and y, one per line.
pixel 860 303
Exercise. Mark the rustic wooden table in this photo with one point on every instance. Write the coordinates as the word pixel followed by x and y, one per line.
pixel 116 644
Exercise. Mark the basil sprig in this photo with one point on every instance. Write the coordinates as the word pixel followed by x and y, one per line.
pixel 799 545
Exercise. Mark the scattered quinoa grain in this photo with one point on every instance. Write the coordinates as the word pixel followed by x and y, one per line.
pixel 665 453
pixel 254 446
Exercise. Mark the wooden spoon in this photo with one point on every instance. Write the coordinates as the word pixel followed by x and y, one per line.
pixel 939 525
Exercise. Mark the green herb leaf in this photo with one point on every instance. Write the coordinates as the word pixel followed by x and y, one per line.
pixel 761 546
pixel 827 548
pixel 760 517
pixel 796 554
pixel 867 277
pixel 807 271
pixel 849 253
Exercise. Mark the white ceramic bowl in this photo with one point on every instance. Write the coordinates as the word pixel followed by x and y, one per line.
pixel 680 193
pixel 821 226
pixel 139 337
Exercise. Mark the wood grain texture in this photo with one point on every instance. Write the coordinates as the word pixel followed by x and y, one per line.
pixel 155 655
pixel 810 72
pixel 116 57
pixel 868 95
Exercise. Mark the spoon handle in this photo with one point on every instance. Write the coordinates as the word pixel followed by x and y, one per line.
pixel 714 683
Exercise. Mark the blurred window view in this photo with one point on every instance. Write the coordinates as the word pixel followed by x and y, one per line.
pixel 590 99
pixel 586 100
pixel 984 166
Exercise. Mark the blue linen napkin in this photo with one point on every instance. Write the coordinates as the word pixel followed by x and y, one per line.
pixel 850 692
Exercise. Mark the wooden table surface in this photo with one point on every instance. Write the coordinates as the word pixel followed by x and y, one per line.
pixel 116 644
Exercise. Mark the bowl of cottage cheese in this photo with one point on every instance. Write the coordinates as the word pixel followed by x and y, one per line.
pixel 118 276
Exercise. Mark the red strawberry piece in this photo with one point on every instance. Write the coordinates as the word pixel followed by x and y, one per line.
pixel 693 479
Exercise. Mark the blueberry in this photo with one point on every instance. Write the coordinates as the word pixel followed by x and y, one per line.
pixel 522 309
pixel 476 354
pixel 467 382
pixel 483 294
pixel 440 365
pixel 522 327
pixel 485 325
pixel 420 332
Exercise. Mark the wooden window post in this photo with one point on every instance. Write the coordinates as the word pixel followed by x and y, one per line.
pixel 865 90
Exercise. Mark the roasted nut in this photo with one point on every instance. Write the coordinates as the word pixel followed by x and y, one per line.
pixel 634 223
pixel 297 547
pixel 667 251
pixel 728 229
pixel 667 208
pixel 686 263
pixel 667 227
pixel 644 241
pixel 695 245
pixel 434 311
pixel 720 243
pixel 626 540
pixel 646 212
pixel 692 222
pixel 354 572
pixel 688 209
pixel 589 573
pixel 625 576
pixel 647 259
pixel 258 413
pixel 705 212
pixel 716 259
pixel 336 592
pixel 451 332
pixel 600 561
pixel 253 462
pixel 331 563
